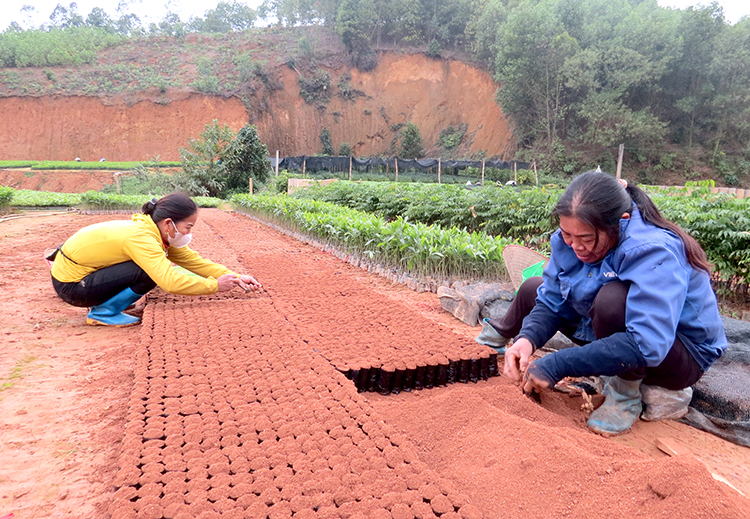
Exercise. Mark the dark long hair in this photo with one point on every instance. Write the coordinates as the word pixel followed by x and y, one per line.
pixel 599 200
pixel 175 206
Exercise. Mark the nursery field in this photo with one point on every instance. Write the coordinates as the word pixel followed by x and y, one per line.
pixel 244 405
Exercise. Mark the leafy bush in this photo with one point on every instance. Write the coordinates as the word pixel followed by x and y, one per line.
pixel 345 149
pixel 345 89
pixel 6 197
pixel 407 142
pixel 325 139
pixel 451 137
pixel 17 163
pixel 365 59
pixel 316 90
pixel 221 162
pixel 280 183
pixel 433 49
pixel 29 198
pixel 55 47
pixel 94 200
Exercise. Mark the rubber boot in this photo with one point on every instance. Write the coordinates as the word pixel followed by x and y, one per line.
pixel 621 407
pixel 664 404
pixel 489 336
pixel 109 313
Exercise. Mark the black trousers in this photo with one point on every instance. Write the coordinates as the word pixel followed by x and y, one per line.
pixel 103 284
pixel 677 371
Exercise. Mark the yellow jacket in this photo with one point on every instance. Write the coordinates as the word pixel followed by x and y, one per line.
pixel 109 243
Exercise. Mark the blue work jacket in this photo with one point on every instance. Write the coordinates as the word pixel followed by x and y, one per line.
pixel 667 297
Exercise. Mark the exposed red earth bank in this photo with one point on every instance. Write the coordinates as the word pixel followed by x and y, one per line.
pixel 232 406
pixel 431 93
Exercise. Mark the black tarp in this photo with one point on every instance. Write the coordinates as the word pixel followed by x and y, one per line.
pixel 313 163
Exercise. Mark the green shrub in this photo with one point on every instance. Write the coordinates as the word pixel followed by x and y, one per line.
pixel 55 47
pixel 6 197
pixel 93 200
pixel 316 90
pixel 29 198
pixel 17 163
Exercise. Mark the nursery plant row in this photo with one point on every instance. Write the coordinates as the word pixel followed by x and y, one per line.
pixel 90 200
pixel 720 223
pixel 498 211
pixel 425 250
pixel 74 164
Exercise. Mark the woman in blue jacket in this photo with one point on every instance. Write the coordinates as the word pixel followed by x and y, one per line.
pixel 629 287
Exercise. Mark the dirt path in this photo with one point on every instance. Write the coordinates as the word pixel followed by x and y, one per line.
pixel 233 405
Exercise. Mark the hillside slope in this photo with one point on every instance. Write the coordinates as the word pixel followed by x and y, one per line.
pixel 99 111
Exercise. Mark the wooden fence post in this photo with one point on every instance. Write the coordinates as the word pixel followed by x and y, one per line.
pixel 515 172
pixel 250 184
pixel 304 164
pixel 482 171
pixel 619 161
pixel 536 177
pixel 439 168
pixel 350 168
pixel 396 159
pixel 277 163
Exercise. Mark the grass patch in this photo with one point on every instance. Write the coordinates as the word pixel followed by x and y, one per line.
pixel 18 371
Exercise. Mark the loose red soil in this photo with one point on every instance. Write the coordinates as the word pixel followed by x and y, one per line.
pixel 237 405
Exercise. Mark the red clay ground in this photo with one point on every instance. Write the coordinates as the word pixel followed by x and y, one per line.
pixel 230 406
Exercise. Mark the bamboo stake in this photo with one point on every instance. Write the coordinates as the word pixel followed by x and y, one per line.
pixel 396 169
pixel 619 161
pixel 277 163
pixel 350 168
pixel 515 172
pixel 482 171
pixel 536 177
pixel 304 164
pixel 439 168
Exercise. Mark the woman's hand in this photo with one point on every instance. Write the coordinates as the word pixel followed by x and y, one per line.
pixel 531 383
pixel 229 281
pixel 249 283
pixel 517 359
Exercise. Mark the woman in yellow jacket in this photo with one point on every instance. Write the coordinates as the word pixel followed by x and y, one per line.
pixel 110 265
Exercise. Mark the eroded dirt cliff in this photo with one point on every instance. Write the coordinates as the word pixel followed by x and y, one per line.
pixel 431 93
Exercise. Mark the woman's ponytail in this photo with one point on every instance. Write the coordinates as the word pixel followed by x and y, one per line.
pixel 695 254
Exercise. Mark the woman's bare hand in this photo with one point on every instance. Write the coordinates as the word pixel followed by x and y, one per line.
pixel 517 359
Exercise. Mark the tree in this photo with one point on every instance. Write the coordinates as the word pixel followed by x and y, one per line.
pixel 532 48
pixel 345 149
pixel 221 162
pixel 412 146
pixel 244 158
pixel 66 17
pixel 325 138
pixel 226 17
pixel 601 77
pixel 200 173
pixel 99 18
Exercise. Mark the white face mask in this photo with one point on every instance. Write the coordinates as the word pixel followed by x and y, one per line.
pixel 180 240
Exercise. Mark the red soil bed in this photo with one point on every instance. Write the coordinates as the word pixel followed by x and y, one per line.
pixel 239 405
